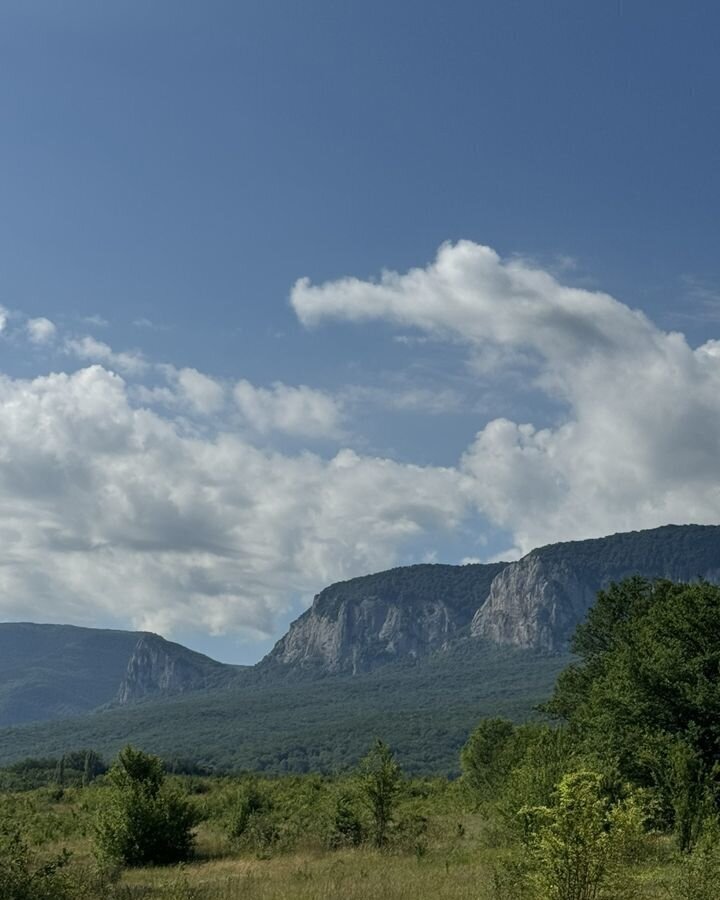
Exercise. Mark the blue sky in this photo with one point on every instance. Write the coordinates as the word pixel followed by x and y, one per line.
pixel 168 172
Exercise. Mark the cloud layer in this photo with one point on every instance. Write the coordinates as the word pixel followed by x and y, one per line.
pixel 113 512
pixel 157 498
pixel 638 444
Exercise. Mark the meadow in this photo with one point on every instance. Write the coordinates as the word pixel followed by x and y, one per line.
pixel 445 843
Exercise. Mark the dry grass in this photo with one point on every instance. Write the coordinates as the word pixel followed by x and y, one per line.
pixel 456 859
pixel 341 875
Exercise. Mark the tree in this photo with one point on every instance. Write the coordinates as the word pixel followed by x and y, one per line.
pixel 646 695
pixel 379 781
pixel 579 842
pixel 92 767
pixel 143 820
pixel 489 755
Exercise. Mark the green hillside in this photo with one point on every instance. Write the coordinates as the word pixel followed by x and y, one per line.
pixel 312 723
pixel 56 671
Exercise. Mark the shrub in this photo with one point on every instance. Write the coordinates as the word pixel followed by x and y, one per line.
pixel 699 874
pixel 379 782
pixel 577 845
pixel 489 755
pixel 21 879
pixel 252 822
pixel 142 820
pixel 347 828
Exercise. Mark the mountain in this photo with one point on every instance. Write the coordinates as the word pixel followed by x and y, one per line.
pixel 57 671
pixel 160 668
pixel 415 654
pixel 539 600
pixel 358 625
pixel 302 720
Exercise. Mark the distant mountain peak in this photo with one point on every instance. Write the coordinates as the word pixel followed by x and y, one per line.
pixel 159 667
pixel 539 600
pixel 357 625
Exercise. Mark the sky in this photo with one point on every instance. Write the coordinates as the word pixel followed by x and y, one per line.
pixel 293 292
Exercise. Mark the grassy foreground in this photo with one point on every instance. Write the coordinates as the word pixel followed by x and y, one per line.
pixel 451 850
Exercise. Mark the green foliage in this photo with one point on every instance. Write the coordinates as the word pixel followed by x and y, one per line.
pixel 646 696
pixel 547 755
pixel 347 829
pixel 251 821
pixel 379 780
pixel 699 874
pixel 692 791
pixel 23 879
pixel 307 723
pixel 142 820
pixel 579 843
pixel 489 755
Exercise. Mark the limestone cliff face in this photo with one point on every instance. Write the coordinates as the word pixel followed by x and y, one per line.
pixel 537 603
pixel 358 625
pixel 539 600
pixel 161 668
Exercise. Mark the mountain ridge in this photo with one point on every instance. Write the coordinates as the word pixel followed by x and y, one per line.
pixel 50 671
pixel 453 637
pixel 365 622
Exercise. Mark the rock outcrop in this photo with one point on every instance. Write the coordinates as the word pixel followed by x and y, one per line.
pixel 539 600
pixel 161 668
pixel 358 625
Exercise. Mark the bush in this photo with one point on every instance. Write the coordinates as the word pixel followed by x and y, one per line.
pixel 488 756
pixel 20 880
pixel 699 875
pixel 252 822
pixel 143 820
pixel 379 782
pixel 347 828
pixel 577 845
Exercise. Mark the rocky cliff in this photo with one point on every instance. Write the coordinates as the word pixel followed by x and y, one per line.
pixel 161 668
pixel 539 600
pixel 536 602
pixel 358 625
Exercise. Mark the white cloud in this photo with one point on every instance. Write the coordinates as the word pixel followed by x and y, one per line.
pixel 40 331
pixel 3 318
pixel 429 401
pixel 203 394
pixel 299 411
pixel 639 444
pixel 111 512
pixel 88 348
pixel 115 512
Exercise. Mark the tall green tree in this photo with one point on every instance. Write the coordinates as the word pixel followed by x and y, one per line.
pixel 142 820
pixel 489 755
pixel 379 781
pixel 645 695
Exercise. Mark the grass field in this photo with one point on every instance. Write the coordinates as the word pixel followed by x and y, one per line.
pixel 458 853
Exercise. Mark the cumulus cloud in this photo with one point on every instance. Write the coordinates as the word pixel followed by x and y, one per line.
pixel 88 348
pixel 116 512
pixel 300 411
pixel 3 318
pixel 638 444
pixel 111 512
pixel 203 394
pixel 41 330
